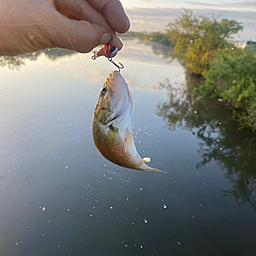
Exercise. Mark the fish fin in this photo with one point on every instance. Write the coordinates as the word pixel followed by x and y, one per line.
pixel 154 169
pixel 131 101
pixel 147 160
pixel 128 140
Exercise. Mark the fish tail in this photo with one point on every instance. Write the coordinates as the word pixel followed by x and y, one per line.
pixel 154 169
pixel 147 168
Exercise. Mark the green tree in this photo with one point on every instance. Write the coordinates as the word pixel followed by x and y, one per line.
pixel 198 38
pixel 232 77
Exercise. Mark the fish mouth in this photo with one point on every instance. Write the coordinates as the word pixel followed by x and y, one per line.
pixel 114 81
pixel 118 87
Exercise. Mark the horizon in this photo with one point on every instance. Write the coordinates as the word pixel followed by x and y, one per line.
pixel 149 19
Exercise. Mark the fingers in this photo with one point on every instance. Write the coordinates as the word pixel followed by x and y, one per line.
pixel 80 10
pixel 83 10
pixel 114 13
pixel 82 36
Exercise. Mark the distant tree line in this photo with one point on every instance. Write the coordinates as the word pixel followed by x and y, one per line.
pixel 201 45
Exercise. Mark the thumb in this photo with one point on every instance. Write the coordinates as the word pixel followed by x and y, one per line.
pixel 80 35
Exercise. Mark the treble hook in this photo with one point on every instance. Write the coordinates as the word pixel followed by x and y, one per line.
pixel 119 67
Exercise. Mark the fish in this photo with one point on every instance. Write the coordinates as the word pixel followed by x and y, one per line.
pixel 112 125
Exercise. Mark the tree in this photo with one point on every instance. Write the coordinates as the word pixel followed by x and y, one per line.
pixel 198 38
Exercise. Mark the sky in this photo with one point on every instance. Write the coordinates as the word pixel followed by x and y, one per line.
pixel 154 15
pixel 197 4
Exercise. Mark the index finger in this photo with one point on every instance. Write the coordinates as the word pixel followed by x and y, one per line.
pixel 114 13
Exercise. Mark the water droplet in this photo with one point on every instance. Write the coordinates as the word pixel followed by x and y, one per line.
pixel 164 206
pixel 66 167
pixel 43 209
pixel 111 207
pixel 140 189
pixel 145 221
pixel 126 245
pixel 141 246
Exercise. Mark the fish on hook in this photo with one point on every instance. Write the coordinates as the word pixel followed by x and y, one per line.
pixel 112 125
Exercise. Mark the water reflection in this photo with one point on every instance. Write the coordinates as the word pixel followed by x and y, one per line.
pixel 220 139
pixel 58 196
pixel 16 62
pixel 159 49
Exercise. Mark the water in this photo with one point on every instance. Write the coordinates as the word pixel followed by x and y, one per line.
pixel 59 196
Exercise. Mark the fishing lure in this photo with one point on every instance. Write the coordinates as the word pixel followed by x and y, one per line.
pixel 108 51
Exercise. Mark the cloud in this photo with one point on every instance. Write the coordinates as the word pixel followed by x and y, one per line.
pixel 201 4
pixel 224 5
pixel 149 19
pixel 241 4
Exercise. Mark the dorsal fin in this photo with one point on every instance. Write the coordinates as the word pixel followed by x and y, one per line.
pixel 131 100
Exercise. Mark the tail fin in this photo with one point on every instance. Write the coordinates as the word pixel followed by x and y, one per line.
pixel 147 160
pixel 154 169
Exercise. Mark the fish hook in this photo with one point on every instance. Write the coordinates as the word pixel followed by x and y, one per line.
pixel 121 66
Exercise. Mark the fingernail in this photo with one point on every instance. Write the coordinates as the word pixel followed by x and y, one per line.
pixel 117 42
pixel 105 38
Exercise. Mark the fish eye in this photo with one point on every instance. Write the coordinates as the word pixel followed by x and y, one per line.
pixel 104 90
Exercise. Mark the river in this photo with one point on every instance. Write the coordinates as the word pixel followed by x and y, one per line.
pixel 59 196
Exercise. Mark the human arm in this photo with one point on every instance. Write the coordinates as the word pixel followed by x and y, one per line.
pixel 80 25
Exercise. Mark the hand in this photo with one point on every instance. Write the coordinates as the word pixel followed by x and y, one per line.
pixel 80 25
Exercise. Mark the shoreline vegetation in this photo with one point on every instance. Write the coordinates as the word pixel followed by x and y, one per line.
pixel 224 71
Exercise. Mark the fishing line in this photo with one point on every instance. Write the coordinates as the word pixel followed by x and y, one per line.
pixel 69 40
